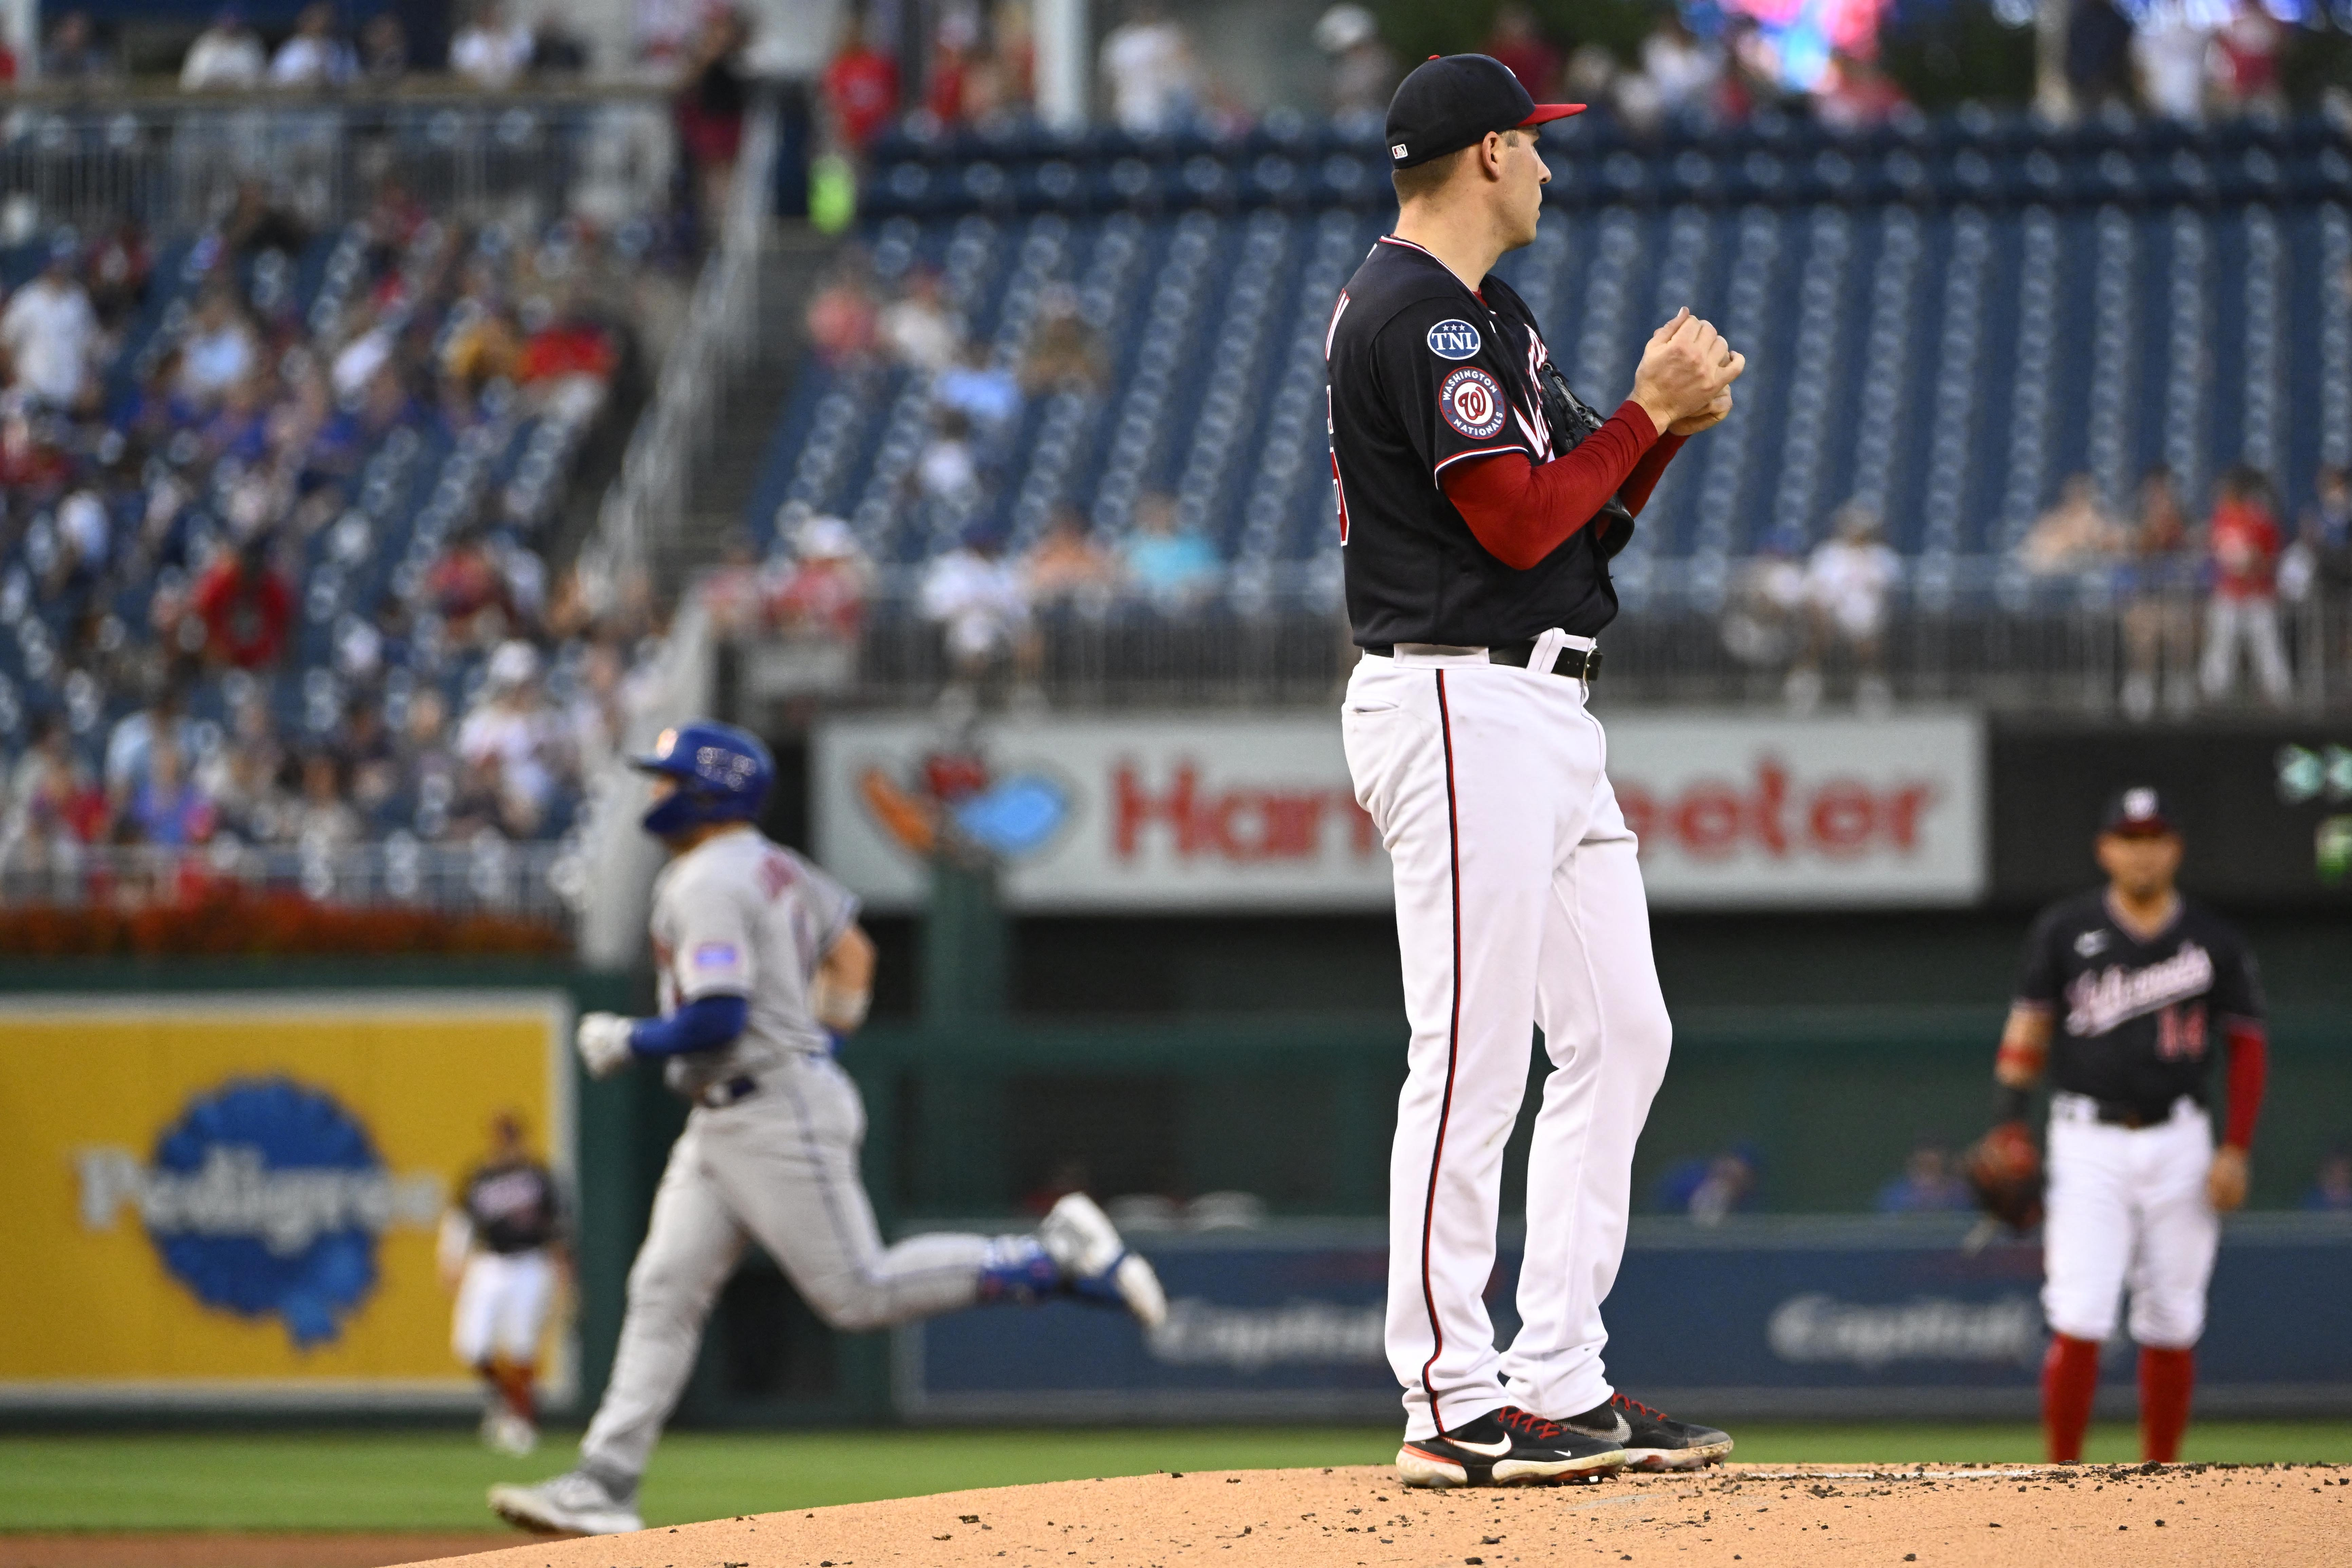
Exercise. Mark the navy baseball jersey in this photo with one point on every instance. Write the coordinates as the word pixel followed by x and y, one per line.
pixel 2136 1022
pixel 1425 374
pixel 512 1206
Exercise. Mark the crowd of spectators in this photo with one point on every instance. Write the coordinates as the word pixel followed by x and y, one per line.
pixel 2201 604
pixel 173 489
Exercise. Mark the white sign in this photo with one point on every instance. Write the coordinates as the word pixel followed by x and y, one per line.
pixel 1178 812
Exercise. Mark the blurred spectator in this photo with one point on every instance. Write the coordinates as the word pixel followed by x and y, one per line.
pixel 659 29
pixel 384 49
pixel 492 48
pixel 2327 536
pixel 1148 62
pixel 245 606
pixel 1594 76
pixel 861 87
pixel 1064 353
pixel 843 323
pixel 1068 566
pixel 514 738
pixel 947 469
pixel 2244 61
pixel 466 589
pixel 74 53
pixel 313 57
pixel 221 350
pixel 2098 55
pixel 979 597
pixel 983 392
pixel 131 746
pixel 732 589
pixel 1931 1183
pixel 1709 1190
pixel 1764 615
pixel 2243 541
pixel 713 96
pixel 2170 53
pixel 1173 568
pixel 167 805
pixel 556 49
pixel 1857 95
pixel 1849 582
pixel 7 64
pixel 1682 71
pixel 2331 1185
pixel 115 274
pixel 2161 608
pixel 255 223
pixel 2075 535
pixel 1363 72
pixel 50 333
pixel 228 54
pixel 33 468
pixel 822 597
pixel 1515 40
pixel 323 821
pixel 567 364
pixel 369 756
pixel 956 60
pixel 917 327
pixel 53 802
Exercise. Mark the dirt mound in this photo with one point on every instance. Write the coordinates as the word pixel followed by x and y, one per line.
pixel 1756 1516
pixel 238 1549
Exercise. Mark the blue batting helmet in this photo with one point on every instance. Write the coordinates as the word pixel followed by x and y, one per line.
pixel 722 774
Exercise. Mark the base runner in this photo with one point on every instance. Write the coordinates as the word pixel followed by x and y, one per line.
pixel 763 970
pixel 2127 995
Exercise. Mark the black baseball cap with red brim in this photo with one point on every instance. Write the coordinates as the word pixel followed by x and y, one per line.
pixel 1451 102
pixel 2138 812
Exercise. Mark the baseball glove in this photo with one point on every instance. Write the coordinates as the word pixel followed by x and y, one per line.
pixel 2004 1171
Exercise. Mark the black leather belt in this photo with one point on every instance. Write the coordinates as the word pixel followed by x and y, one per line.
pixel 1575 663
pixel 2124 1113
pixel 716 1096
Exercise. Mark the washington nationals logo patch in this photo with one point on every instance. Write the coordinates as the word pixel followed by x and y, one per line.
pixel 1472 403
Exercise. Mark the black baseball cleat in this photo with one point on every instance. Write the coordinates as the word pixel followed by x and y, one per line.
pixel 1652 1440
pixel 1506 1447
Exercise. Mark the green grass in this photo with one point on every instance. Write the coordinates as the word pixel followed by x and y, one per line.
pixel 429 1480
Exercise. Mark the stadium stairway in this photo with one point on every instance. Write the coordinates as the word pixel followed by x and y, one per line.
pixel 796 257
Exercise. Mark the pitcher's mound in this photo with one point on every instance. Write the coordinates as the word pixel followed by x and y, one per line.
pixel 1759 1516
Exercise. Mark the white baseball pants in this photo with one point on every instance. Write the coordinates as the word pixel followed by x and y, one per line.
pixel 2127 1207
pixel 503 1301
pixel 1519 904
pixel 781 1168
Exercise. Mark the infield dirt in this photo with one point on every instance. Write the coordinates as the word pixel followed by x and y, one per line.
pixel 1756 1516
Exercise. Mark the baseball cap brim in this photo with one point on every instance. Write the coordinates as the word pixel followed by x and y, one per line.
pixel 1545 112
pixel 2139 827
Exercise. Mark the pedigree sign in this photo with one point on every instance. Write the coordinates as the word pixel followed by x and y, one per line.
pixel 1183 812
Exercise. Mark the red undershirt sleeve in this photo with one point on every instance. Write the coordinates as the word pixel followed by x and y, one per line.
pixel 2249 1066
pixel 1521 511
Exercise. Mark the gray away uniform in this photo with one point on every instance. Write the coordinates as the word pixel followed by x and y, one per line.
pixel 775 1162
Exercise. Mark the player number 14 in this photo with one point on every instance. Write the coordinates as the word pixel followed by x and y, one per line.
pixel 2180 1033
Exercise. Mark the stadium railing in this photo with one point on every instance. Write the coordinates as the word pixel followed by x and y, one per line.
pixel 536 881
pixel 174 161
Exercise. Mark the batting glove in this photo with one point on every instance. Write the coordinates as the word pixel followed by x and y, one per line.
pixel 603 1039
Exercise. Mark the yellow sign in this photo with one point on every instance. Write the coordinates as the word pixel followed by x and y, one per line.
pixel 235 1196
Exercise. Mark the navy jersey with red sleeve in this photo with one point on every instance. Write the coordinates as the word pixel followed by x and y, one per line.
pixel 2136 1021
pixel 1425 374
pixel 513 1207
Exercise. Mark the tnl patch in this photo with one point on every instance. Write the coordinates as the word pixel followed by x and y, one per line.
pixel 1455 340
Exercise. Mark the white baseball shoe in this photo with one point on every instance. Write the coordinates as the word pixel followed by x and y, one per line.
pixel 1097 1265
pixel 571 1504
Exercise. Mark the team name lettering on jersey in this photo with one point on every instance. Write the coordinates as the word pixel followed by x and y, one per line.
pixel 2096 1001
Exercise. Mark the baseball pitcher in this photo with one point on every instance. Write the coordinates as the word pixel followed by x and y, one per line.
pixel 762 970
pixel 2124 995
pixel 1480 501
